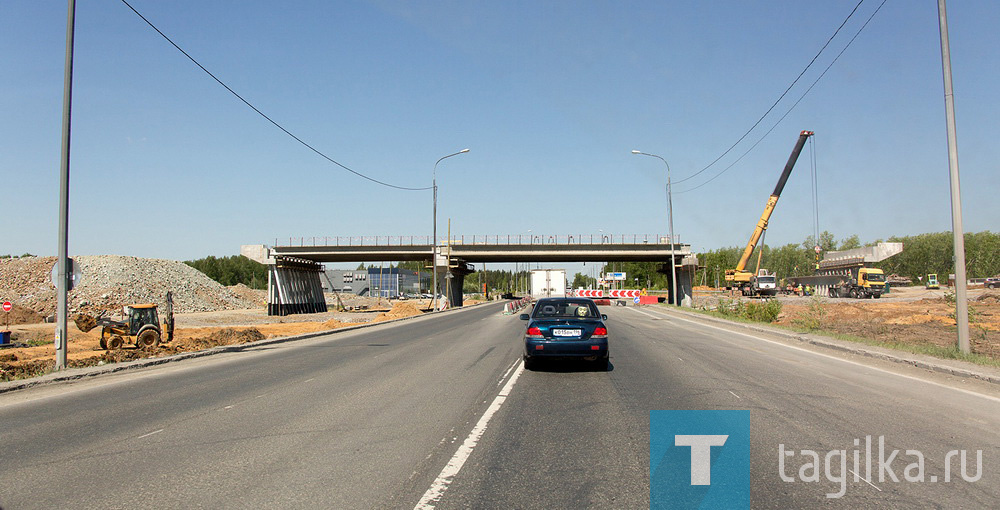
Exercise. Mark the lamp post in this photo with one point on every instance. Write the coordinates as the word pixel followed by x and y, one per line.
pixel 434 239
pixel 670 216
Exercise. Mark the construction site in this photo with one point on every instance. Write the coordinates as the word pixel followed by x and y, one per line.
pixel 206 313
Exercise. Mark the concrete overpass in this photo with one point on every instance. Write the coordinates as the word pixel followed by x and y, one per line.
pixel 294 266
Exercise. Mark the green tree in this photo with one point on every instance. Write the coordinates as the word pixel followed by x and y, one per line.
pixel 850 243
pixel 826 242
pixel 581 280
pixel 232 270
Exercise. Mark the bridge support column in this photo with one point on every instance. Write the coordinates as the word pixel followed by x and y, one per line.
pixel 293 286
pixel 456 281
pixel 685 280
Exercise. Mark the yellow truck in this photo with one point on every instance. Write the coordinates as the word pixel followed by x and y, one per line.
pixel 856 282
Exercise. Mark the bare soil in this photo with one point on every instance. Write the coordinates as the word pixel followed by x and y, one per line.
pixel 194 331
pixel 907 315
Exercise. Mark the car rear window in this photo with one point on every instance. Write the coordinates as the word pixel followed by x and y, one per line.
pixel 581 309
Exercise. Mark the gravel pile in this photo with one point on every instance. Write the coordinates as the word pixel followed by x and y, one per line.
pixel 111 281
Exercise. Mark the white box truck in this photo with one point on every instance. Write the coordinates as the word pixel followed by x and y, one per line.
pixel 548 283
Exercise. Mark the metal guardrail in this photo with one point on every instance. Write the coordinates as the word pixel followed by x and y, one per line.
pixel 489 239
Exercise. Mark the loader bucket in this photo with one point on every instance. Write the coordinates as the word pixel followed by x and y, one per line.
pixel 85 322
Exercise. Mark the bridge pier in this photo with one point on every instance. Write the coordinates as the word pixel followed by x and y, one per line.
pixel 293 286
pixel 685 280
pixel 453 278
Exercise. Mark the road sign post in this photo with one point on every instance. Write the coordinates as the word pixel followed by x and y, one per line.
pixel 7 307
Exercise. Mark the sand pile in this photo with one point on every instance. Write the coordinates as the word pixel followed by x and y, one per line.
pixel 398 311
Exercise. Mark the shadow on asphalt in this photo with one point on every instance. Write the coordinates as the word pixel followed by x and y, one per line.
pixel 569 366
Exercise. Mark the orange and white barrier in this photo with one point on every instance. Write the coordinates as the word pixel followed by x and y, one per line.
pixel 624 293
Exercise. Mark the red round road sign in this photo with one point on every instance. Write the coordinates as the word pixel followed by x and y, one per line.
pixel 7 306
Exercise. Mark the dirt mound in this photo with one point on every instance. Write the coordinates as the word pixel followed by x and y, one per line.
pixel 111 281
pixel 230 336
pixel 197 339
pixel 256 296
pixel 990 298
pixel 398 311
pixel 20 315
pixel 334 324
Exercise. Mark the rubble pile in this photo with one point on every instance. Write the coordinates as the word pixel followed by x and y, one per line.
pixel 112 281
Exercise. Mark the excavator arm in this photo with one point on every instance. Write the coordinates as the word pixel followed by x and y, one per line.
pixel 740 274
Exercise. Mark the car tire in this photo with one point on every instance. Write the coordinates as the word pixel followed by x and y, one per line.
pixel 530 363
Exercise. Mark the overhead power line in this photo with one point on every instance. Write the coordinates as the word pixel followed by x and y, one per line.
pixel 799 100
pixel 262 114
pixel 782 96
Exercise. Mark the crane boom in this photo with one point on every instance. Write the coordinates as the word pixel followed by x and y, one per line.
pixel 739 274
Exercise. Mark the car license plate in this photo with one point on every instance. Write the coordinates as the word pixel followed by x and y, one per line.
pixel 565 332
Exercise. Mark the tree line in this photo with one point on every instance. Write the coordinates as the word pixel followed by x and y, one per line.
pixel 232 270
pixel 922 254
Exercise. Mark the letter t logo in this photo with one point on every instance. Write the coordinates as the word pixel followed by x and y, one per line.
pixel 701 455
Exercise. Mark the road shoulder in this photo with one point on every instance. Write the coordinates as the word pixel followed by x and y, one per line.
pixel 945 366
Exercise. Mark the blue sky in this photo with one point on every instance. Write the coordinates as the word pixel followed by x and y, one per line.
pixel 550 97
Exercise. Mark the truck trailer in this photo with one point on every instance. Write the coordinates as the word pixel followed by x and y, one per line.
pixel 857 282
pixel 849 273
pixel 548 283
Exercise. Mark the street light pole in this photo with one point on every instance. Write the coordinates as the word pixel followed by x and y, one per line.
pixel 670 216
pixel 63 268
pixel 434 239
pixel 958 234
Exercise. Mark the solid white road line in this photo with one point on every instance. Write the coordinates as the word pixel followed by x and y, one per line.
pixel 644 313
pixel 505 374
pixel 859 477
pixel 447 475
pixel 844 360
pixel 735 395
pixel 151 433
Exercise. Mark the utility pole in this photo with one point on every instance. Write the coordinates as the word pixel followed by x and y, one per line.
pixel 62 263
pixel 961 296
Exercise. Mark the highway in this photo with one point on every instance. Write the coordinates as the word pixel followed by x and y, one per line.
pixel 438 411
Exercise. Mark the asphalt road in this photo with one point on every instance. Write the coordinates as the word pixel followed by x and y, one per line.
pixel 385 416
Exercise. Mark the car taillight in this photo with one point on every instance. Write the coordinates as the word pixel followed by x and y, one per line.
pixel 533 332
pixel 600 332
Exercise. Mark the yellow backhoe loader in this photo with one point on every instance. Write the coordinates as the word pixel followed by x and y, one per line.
pixel 140 326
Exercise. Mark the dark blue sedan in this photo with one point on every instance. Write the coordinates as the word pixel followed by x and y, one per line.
pixel 565 328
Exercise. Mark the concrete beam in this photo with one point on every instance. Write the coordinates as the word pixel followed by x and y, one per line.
pixel 495 253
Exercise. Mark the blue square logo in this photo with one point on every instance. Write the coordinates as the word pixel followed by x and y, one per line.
pixel 699 459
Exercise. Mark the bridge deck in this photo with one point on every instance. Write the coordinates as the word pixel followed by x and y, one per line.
pixel 483 252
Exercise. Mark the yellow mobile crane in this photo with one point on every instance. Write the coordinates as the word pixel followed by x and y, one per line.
pixel 741 278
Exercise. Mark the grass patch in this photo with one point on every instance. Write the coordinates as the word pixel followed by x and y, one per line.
pixel 753 311
pixel 813 318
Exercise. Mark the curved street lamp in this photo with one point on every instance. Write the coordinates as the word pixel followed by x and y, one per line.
pixel 434 239
pixel 670 215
